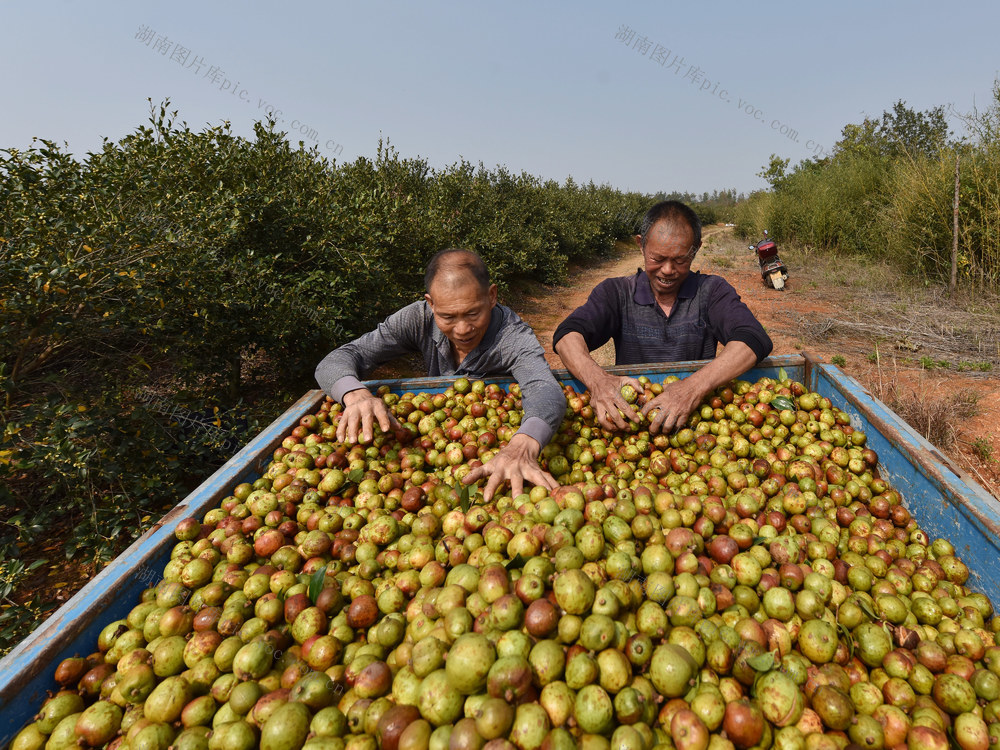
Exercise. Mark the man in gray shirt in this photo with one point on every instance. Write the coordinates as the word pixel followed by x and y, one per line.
pixel 461 331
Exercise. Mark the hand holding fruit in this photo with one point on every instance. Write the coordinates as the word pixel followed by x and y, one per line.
pixel 670 410
pixel 610 406
pixel 361 411
pixel 517 462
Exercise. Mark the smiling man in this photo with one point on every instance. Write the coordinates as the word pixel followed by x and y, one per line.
pixel 665 313
pixel 461 331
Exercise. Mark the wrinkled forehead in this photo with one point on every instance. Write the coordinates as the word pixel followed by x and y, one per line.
pixel 457 293
pixel 676 234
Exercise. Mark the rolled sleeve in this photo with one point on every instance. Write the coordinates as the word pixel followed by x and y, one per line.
pixel 543 401
pixel 597 319
pixel 756 338
pixel 343 386
pixel 732 320
pixel 341 370
pixel 537 428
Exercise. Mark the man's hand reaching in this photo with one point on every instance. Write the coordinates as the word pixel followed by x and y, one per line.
pixel 608 403
pixel 670 410
pixel 515 463
pixel 361 411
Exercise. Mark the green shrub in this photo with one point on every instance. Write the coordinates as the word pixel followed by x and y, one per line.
pixel 887 192
pixel 163 298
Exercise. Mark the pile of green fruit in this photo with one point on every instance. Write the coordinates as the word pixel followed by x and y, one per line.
pixel 748 582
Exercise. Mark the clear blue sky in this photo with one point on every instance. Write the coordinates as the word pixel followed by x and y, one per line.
pixel 542 87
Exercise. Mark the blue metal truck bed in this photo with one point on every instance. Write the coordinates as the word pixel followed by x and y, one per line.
pixel 944 501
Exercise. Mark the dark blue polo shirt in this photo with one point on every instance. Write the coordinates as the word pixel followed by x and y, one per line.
pixel 708 311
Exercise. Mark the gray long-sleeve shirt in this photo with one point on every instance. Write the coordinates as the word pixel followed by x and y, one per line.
pixel 509 348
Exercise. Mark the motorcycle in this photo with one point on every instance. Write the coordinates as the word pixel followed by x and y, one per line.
pixel 772 271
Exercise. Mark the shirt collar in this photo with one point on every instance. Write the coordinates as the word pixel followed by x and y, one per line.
pixel 642 292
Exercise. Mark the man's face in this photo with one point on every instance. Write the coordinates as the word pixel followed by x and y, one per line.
pixel 667 255
pixel 461 310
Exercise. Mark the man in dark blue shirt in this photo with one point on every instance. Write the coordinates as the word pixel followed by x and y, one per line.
pixel 665 313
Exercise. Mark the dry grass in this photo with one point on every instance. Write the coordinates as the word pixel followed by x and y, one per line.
pixel 936 415
pixel 863 300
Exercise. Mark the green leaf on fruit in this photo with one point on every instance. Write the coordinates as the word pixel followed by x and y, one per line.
pixel 516 562
pixel 463 498
pixel 760 540
pixel 846 633
pixel 782 375
pixel 316 581
pixel 867 609
pixel 356 475
pixel 762 662
pixel 782 402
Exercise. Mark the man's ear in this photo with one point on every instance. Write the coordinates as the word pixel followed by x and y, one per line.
pixel 430 301
pixel 493 295
pixel 638 240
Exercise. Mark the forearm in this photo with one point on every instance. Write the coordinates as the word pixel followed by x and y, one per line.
pixel 544 407
pixel 734 360
pixel 671 409
pixel 610 408
pixel 339 373
pixel 589 327
pixel 342 369
pixel 573 351
pixel 754 337
pixel 543 401
pixel 732 320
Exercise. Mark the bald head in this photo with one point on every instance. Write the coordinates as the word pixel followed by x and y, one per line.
pixel 456 267
pixel 461 298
